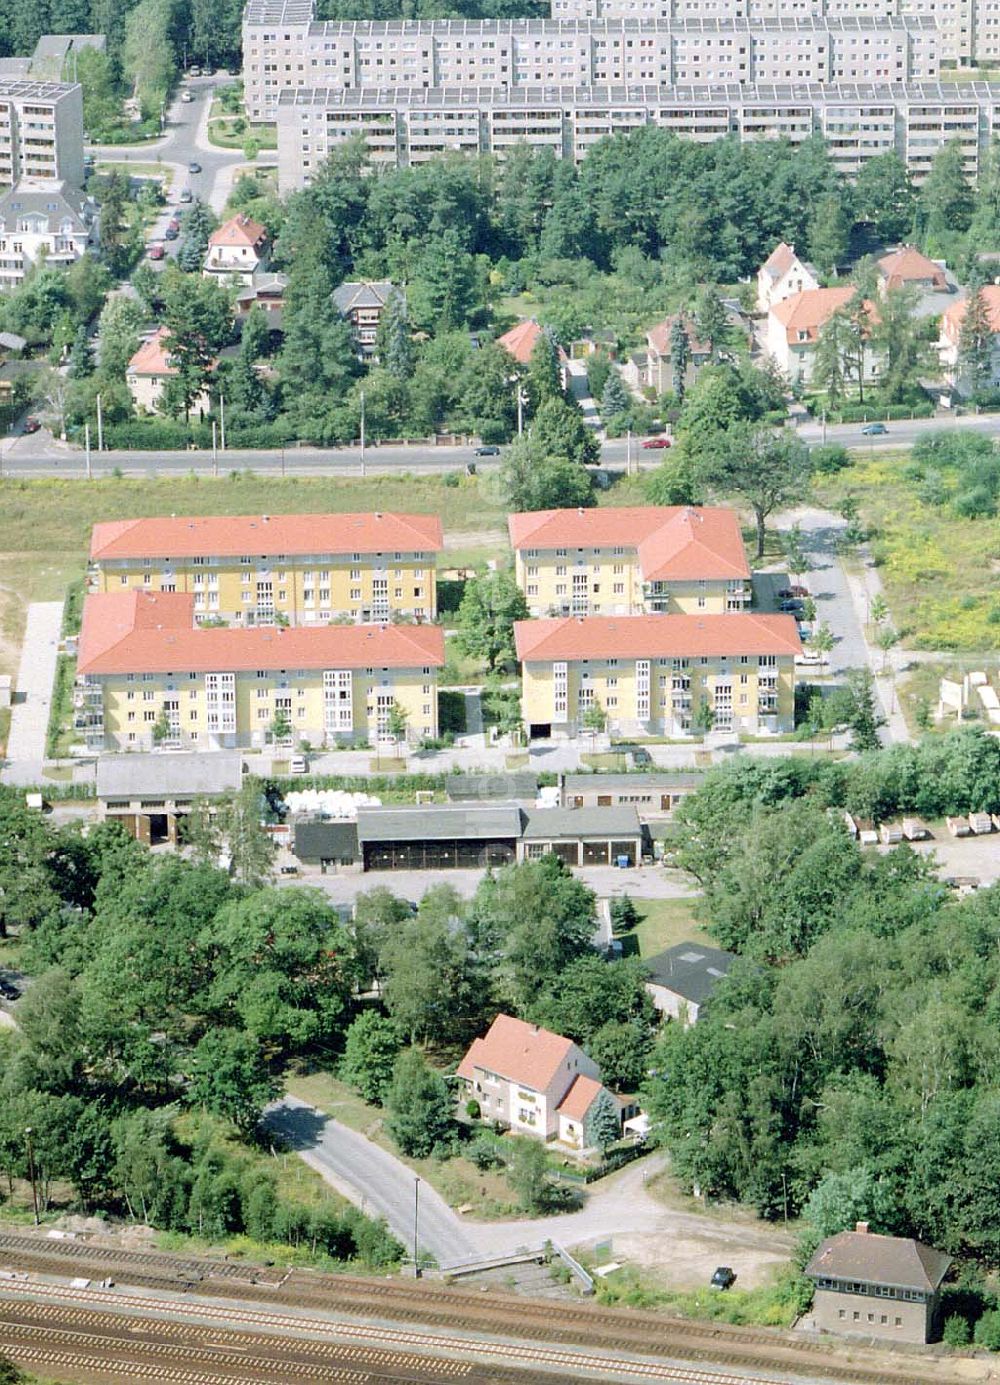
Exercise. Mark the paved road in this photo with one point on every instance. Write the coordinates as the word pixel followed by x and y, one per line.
pixel 374 1179
pixel 29 718
pixel 900 434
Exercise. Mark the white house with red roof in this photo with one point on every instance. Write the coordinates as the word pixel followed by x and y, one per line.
pixel 236 250
pixel 908 267
pixel 795 324
pixel 148 372
pixel 536 1082
pixel 949 342
pixel 781 275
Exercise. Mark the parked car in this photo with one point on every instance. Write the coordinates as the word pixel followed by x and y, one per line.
pixel 486 452
pixel 173 224
pixel 788 593
pixel 171 233
pixel 723 1278
pixel 791 607
pixel 156 252
pixel 186 97
pixel 657 442
pixel 194 166
pixel 185 195
pixel 31 424
pixel 874 430
pixel 298 764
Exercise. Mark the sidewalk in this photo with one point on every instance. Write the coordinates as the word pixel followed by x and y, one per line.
pixel 29 717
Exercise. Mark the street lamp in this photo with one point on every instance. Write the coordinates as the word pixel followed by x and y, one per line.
pixel 416 1214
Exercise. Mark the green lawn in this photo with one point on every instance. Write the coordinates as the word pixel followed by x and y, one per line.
pixel 663 924
pixel 941 573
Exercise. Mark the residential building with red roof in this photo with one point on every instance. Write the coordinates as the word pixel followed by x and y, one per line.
pixel 255 569
pixel 148 372
pixel 520 343
pixel 631 560
pixel 536 1082
pixel 909 267
pixel 150 675
pixel 653 675
pixel 236 250
pixel 950 339
pixel 781 275
pixel 794 327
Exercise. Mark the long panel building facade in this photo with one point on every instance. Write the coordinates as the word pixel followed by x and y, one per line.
pixel 578 52
pixel 41 131
pixel 406 125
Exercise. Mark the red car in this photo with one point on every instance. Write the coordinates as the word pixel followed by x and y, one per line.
pixel 657 442
pixel 31 424
pixel 156 252
pixel 793 593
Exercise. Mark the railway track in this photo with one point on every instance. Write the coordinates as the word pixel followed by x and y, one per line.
pixel 609 1330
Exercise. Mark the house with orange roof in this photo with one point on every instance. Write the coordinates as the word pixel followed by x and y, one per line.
pixel 794 327
pixel 534 1082
pixel 149 370
pixel 631 560
pixel 652 675
pixel 259 569
pixel 950 339
pixel 781 275
pixel 520 343
pixel 236 250
pixel 909 267
pixel 151 676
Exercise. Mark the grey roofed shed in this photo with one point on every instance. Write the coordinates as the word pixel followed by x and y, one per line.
pixel 544 824
pixel 169 775
pixel 518 784
pixel 898 1261
pixel 320 841
pixel 439 823
pixel 637 780
pixel 691 970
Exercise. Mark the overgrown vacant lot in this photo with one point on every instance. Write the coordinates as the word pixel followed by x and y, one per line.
pixel 941 571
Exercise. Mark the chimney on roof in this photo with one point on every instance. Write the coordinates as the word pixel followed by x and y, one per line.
pixel 378 514
pixel 266 519
pixel 861 1227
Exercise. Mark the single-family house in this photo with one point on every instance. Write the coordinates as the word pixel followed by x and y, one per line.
pixel 236 250
pixel 363 305
pixel 659 353
pixel 781 275
pixel 44 220
pixel 536 1082
pixel 267 292
pixel 949 342
pixel 881 1286
pixel 520 343
pixel 908 267
pixel 794 327
pixel 682 980
pixel 148 372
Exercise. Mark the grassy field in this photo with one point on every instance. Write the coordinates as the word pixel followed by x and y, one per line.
pixel 663 924
pixel 941 573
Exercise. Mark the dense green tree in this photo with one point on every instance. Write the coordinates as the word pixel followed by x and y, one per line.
pixel 528 1175
pixel 198 317
pixel 864 719
pixel 903 347
pixel 711 322
pixel 371 1046
pixel 394 344
pixel 975 341
pixel 559 431
pixel 420 1110
pixel 530 480
pixel 432 987
pixel 945 202
pixel 543 379
pixel 445 292
pixel 147 56
pixel 829 231
pixel 229 1076
pixel 80 362
pixel 491 603
pixel 614 400
pixel 680 356
pixel 27 890
pixel 883 195
pixel 763 467
pixel 603 1126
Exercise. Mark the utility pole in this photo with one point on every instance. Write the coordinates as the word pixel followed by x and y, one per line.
pixel 282 459
pixel 416 1213
pixel 31 1171
pixel 520 409
pixel 215 454
pixel 362 432
pixel 86 441
pixel 100 426
pixel 628 453
pixel 222 419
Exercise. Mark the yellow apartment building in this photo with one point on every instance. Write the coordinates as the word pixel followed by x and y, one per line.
pixel 650 674
pixel 256 569
pixel 148 675
pixel 642 560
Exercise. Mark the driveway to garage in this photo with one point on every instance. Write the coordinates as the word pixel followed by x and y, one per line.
pixel 29 714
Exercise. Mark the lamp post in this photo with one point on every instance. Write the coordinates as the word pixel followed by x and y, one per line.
pixel 31 1171
pixel 222 421
pixel 215 452
pixel 100 426
pixel 362 432
pixel 416 1214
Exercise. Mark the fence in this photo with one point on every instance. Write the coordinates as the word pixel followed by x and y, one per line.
pixel 617 1159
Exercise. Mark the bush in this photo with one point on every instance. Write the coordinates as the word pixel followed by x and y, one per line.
pixel 830 458
pixel 157 435
pixel 473 1109
pixel 956 1331
pixel 987 1333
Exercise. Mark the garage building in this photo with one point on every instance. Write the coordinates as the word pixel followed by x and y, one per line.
pixel 584 836
pixel 148 794
pixel 456 836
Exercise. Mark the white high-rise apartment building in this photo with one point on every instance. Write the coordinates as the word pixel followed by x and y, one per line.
pixel 41 131
pixel 284 50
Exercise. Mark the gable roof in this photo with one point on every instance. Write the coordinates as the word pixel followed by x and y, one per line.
pixel 810 310
pixel 155 632
pixel 368 293
pixel 908 265
pixel 648 637
pixel 53 199
pixel 673 542
pixel 120 776
pixel 780 260
pixel 520 341
pixel 953 317
pixel 690 969
pixel 581 1095
pixel 898 1261
pixel 519 1052
pixel 193 536
pixel 152 358
pixel 658 337
pixel 239 231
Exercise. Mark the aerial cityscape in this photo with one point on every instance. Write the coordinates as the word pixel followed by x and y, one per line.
pixel 499 691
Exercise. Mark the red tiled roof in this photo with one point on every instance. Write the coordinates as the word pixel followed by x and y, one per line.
pixel 240 230
pixel 154 632
pixel 655 637
pixel 673 542
pixel 151 358
pixel 580 1097
pixel 520 341
pixel 658 337
pixel 517 1051
pixel 908 265
pixel 780 260
pixel 952 319
pixel 810 310
pixel 194 536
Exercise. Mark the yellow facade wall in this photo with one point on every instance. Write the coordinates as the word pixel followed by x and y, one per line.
pixel 132 707
pixel 608 581
pixel 760 698
pixel 307 590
